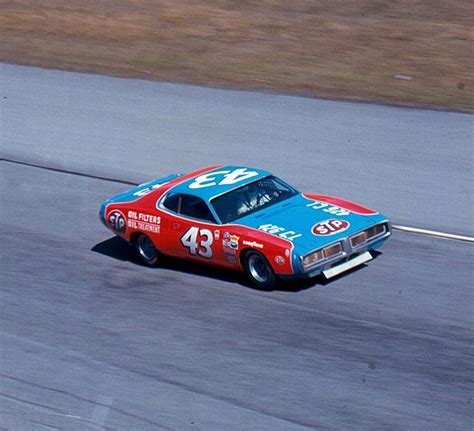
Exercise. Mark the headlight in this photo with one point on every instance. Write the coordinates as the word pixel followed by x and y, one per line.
pixel 367 235
pixel 321 255
pixel 313 258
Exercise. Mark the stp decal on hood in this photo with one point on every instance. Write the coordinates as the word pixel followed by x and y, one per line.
pixel 329 227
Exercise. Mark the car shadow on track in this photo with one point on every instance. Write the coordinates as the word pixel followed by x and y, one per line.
pixel 119 249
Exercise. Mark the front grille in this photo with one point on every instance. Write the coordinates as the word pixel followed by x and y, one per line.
pixel 367 235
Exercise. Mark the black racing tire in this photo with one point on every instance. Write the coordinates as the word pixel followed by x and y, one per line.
pixel 259 271
pixel 146 250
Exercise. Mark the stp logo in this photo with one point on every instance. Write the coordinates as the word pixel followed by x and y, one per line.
pixel 117 221
pixel 329 227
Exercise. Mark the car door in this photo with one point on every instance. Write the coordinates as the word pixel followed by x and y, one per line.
pixel 193 232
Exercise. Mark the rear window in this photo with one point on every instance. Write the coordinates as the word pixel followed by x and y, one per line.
pixel 189 206
pixel 195 207
pixel 172 203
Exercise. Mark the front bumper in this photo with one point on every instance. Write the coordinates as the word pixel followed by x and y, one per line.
pixel 349 264
pixel 349 257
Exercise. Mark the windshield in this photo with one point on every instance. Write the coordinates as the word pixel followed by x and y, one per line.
pixel 250 198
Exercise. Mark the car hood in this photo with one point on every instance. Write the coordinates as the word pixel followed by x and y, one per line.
pixel 308 223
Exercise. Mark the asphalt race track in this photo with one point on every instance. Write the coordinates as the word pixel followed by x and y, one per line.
pixel 91 340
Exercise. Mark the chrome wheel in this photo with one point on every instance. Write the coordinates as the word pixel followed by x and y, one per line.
pixel 146 250
pixel 258 268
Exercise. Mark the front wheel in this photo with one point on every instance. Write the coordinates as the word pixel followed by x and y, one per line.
pixel 146 250
pixel 259 271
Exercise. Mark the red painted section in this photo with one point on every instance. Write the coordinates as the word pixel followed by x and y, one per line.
pixel 350 206
pixel 172 234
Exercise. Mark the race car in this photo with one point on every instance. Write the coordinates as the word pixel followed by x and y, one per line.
pixel 245 219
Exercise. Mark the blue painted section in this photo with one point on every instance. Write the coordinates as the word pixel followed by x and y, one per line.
pixel 296 219
pixel 102 212
pixel 292 219
pixel 136 193
pixel 219 181
pixel 296 262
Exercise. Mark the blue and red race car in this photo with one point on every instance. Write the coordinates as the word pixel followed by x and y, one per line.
pixel 245 219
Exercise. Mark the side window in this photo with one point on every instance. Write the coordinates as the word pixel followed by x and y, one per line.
pixel 172 203
pixel 195 207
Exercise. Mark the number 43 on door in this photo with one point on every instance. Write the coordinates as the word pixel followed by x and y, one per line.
pixel 190 241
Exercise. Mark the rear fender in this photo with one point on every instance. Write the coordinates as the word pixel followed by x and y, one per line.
pixel 136 193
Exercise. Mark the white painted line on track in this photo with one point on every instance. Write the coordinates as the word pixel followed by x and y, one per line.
pixel 433 233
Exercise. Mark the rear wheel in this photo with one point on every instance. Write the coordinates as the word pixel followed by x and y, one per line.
pixel 146 250
pixel 259 271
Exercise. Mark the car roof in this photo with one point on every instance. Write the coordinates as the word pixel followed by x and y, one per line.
pixel 218 181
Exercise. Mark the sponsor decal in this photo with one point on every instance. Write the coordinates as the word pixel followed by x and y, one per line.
pixel 217 234
pixel 230 241
pixel 230 244
pixel 328 208
pixel 331 201
pixel 234 242
pixel 145 227
pixel 144 222
pixel 287 253
pixel 148 218
pixel 117 222
pixel 231 257
pixel 330 227
pixel 254 244
pixel 280 260
pixel 279 231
